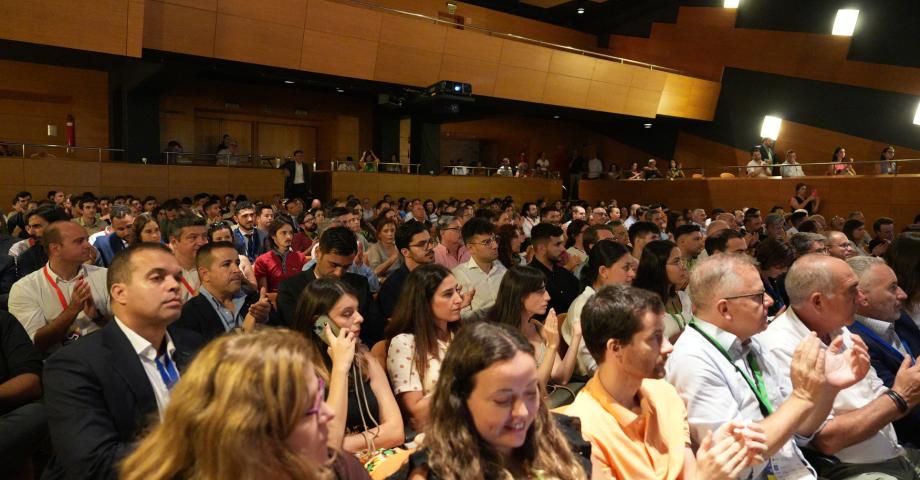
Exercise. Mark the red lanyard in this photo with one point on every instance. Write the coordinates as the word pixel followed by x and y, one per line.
pixel 188 287
pixel 56 288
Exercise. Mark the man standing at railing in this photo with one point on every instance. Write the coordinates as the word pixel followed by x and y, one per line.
pixel 296 178
pixel 757 168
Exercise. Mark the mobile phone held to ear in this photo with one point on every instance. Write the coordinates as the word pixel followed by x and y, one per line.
pixel 319 327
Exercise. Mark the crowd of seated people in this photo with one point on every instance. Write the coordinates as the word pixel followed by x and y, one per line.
pixel 215 337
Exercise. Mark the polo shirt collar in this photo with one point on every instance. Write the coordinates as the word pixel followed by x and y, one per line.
pixel 624 416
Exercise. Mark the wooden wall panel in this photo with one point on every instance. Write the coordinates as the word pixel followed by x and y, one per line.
pixel 689 97
pixel 374 186
pixel 63 23
pixel 177 28
pixel 606 97
pixel 571 64
pixel 412 33
pixel 874 196
pixel 405 65
pixel 520 83
pixel 473 44
pixel 135 33
pixel 341 19
pixel 338 55
pixel 255 41
pixel 285 12
pixel 698 43
pixel 566 91
pixel 524 55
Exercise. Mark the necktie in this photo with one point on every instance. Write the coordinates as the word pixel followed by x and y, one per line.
pixel 250 247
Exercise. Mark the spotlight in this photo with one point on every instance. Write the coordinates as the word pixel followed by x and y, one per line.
pixel 770 128
pixel 730 4
pixel 580 10
pixel 340 90
pixel 647 125
pixel 845 22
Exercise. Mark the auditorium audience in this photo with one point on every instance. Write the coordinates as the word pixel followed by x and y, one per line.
pixel 383 256
pixel 418 334
pixel 259 398
pixel 222 305
pixel 249 240
pixel 188 234
pixel 88 218
pixel 32 254
pixel 417 248
pixel 223 232
pixel 280 262
pixel 624 330
pixel 804 243
pixel 16 221
pixel 838 245
pixel 883 228
pixel 610 263
pixel 800 201
pixel 723 372
pixel 23 426
pixel 904 258
pixel 366 416
pixel 689 240
pixel 757 167
pixel 104 389
pixel 488 417
pixel 522 297
pixel 662 271
pixel 791 167
pixel 773 261
pixel 561 285
pixel 482 274
pixel 641 233
pixel 65 299
pixel 117 237
pixel 824 295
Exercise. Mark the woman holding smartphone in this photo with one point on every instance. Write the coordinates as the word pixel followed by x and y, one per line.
pixel 367 417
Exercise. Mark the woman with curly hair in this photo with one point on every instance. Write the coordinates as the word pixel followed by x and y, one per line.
pixel 488 416
pixel 250 406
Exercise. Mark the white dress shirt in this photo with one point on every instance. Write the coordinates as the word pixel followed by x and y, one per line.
pixel 781 339
pixel 716 392
pixel 529 223
pixel 147 355
pixel 885 330
pixel 20 247
pixel 471 276
pixel 35 302
pixel 595 168
pixel 298 173
pixel 586 364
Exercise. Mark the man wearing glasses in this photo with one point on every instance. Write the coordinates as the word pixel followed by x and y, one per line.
pixel 483 272
pixel 417 249
pixel 824 296
pixel 724 372
pixel 451 251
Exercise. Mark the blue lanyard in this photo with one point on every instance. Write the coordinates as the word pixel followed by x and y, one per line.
pixel 868 332
pixel 168 373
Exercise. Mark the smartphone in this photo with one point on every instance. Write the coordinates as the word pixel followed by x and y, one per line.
pixel 319 327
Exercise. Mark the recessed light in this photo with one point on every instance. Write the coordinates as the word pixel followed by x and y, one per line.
pixel 289 82
pixel 845 22
pixel 556 116
pixel 730 4
pixel 580 10
pixel 647 125
pixel 340 90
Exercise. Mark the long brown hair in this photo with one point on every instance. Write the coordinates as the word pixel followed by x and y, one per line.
pixel 456 450
pixel 413 314
pixel 232 412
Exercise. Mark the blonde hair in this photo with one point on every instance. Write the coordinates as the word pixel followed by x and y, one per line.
pixel 232 412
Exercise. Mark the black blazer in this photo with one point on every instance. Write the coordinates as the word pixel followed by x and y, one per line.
pixel 198 315
pixel 31 260
pixel 98 400
pixel 259 236
pixel 886 364
pixel 289 179
pixel 289 293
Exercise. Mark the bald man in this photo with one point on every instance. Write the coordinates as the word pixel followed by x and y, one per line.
pixel 65 299
pixel 824 295
pixel 839 246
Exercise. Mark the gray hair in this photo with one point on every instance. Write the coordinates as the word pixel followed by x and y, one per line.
pixel 773 219
pixel 801 242
pixel 808 275
pixel 444 221
pixel 120 211
pixel 714 274
pixel 862 264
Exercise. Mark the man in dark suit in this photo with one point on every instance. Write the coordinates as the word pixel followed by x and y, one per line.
pixel 102 390
pixel 296 178
pixel 248 239
pixel 109 245
pixel 221 305
pixel 890 334
pixel 337 249
pixel 768 156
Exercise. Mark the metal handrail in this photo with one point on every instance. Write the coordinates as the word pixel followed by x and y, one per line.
pixel 67 148
pixel 894 161
pixel 403 167
pixel 224 159
pixel 478 171
pixel 557 46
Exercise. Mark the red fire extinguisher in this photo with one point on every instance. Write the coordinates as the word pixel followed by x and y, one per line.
pixel 70 131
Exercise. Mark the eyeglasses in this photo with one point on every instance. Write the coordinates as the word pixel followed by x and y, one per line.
pixel 757 297
pixel 320 396
pixel 487 242
pixel 679 262
pixel 429 243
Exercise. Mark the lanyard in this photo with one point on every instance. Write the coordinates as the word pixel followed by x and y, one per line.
pixel 757 385
pixel 188 287
pixel 57 289
pixel 868 332
pixel 167 370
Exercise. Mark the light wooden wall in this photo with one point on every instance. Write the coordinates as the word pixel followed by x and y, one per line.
pixel 887 196
pixel 33 96
pixel 74 176
pixel 107 26
pixel 704 41
pixel 442 187
pixel 810 143
pixel 340 39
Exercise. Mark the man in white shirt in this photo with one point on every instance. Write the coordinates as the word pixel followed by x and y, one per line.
pixel 791 168
pixel 578 213
pixel 633 215
pixel 483 272
pixel 723 372
pixel 102 391
pixel 757 167
pixel 531 214
pixel 595 168
pixel 65 299
pixel 824 294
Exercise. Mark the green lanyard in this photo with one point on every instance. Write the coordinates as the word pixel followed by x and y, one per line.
pixel 757 385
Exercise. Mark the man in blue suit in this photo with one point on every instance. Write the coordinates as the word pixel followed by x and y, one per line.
pixel 890 334
pixel 248 239
pixel 112 243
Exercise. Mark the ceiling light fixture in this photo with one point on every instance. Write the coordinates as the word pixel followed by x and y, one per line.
pixel 289 82
pixel 845 22
pixel 337 89
pixel 647 125
pixel 557 116
pixel 580 10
